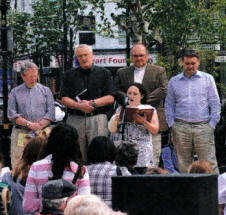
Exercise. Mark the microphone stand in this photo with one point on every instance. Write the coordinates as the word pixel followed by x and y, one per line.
pixel 123 123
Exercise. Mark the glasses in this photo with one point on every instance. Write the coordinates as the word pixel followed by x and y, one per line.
pixel 138 55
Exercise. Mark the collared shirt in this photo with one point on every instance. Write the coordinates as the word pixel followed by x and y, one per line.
pixel 32 104
pixel 39 174
pixel 139 74
pixel 100 180
pixel 193 99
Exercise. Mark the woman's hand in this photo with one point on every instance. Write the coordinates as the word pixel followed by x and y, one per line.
pixel 152 126
pixel 140 119
pixel 113 123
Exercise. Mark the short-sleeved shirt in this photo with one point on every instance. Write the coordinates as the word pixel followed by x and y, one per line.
pixel 97 80
pixel 100 179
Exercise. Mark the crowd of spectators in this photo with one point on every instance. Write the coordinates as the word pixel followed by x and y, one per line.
pixel 67 167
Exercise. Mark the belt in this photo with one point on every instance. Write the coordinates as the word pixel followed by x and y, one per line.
pixel 22 127
pixel 192 123
pixel 80 113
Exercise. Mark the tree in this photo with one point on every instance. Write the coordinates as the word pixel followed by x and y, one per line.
pixel 43 31
pixel 20 23
pixel 168 25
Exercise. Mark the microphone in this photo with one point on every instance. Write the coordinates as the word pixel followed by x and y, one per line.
pixel 127 98
pixel 121 98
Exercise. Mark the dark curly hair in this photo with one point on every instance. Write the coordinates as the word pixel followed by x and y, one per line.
pixel 64 147
pixel 142 90
pixel 126 154
pixel 101 149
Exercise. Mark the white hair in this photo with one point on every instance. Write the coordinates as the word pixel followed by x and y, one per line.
pixel 87 205
pixel 27 65
pixel 83 46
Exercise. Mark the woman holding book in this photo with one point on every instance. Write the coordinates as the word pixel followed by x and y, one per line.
pixel 139 130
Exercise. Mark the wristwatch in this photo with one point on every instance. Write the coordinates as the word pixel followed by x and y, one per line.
pixel 28 124
pixel 94 103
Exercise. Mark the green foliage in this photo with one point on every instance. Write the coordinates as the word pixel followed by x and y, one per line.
pixel 171 25
pixel 20 23
pixel 43 30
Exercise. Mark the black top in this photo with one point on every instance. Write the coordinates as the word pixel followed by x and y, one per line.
pixel 97 80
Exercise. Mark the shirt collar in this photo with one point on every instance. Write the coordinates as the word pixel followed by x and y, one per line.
pixel 183 76
pixel 140 68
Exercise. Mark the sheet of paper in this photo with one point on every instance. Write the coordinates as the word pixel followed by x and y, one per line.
pixel 21 137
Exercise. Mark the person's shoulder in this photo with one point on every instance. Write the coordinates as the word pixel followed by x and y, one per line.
pixel 155 67
pixel 70 72
pixel 204 74
pixel 99 68
pixel 44 89
pixel 18 88
pixel 43 164
pixel 126 69
pixel 176 77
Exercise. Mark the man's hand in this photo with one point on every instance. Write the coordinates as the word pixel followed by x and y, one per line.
pixel 35 126
pixel 85 106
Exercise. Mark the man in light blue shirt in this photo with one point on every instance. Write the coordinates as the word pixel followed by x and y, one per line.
pixel 192 109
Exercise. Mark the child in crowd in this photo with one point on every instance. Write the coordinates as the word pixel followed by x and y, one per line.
pixel 126 156
pixel 3 169
pixel 17 179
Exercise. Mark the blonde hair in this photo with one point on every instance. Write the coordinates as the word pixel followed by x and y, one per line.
pixel 201 166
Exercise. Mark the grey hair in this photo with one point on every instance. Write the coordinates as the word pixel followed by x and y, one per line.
pixel 83 46
pixel 87 205
pixel 27 65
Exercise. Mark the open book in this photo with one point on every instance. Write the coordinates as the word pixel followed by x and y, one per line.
pixel 131 111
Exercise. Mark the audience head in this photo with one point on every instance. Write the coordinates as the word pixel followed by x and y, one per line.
pixel 101 149
pixel 31 153
pixel 88 205
pixel 126 154
pixel 156 171
pixel 137 93
pixel 64 147
pixel 201 166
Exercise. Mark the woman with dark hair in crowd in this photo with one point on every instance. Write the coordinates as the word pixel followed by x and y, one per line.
pixel 101 155
pixel 18 179
pixel 140 130
pixel 63 160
